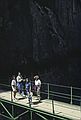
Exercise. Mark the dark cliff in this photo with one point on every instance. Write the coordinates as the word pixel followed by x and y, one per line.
pixel 41 36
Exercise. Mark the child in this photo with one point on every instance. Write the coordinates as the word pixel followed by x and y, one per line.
pixel 27 86
pixel 28 91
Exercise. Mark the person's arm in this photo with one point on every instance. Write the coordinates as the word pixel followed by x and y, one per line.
pixel 39 82
pixel 12 83
pixel 19 79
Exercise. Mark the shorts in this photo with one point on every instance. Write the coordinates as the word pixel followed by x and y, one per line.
pixel 13 89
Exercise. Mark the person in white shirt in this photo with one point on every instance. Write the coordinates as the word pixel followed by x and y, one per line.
pixel 13 85
pixel 38 86
pixel 19 83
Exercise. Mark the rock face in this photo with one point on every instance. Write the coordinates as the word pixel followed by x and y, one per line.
pixel 15 35
pixel 41 36
pixel 56 39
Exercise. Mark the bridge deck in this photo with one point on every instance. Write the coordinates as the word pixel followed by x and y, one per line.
pixel 63 109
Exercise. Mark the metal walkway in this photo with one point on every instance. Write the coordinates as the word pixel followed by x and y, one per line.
pixel 47 106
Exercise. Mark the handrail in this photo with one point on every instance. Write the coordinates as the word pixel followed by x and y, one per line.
pixel 6 85
pixel 60 94
pixel 56 116
pixel 53 94
pixel 57 85
pixel 63 86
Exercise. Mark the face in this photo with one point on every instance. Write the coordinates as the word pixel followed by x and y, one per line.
pixel 26 79
pixel 19 73
pixel 13 77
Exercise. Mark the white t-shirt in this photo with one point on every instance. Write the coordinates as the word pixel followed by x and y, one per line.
pixel 19 79
pixel 38 82
pixel 13 83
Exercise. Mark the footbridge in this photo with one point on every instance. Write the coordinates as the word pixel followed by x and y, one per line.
pixel 57 103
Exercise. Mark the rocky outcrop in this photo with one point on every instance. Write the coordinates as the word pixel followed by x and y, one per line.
pixel 41 36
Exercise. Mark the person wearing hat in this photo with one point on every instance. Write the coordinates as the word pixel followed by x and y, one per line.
pixel 38 86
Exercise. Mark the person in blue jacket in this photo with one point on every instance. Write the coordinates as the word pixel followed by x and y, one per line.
pixel 27 86
pixel 28 90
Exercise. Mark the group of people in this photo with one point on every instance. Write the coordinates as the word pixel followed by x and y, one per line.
pixel 25 86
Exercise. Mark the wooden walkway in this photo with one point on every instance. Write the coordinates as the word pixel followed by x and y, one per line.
pixel 60 108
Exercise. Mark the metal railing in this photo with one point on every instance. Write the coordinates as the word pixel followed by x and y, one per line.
pixel 53 92
pixel 67 94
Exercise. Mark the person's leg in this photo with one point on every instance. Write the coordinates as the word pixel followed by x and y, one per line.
pixel 23 89
pixel 14 94
pixel 38 93
pixel 19 88
pixel 27 92
pixel 30 98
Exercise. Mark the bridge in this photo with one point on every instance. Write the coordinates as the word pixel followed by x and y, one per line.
pixel 57 103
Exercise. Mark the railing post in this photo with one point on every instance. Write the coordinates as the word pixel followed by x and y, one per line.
pixel 53 106
pixel 71 95
pixel 80 104
pixel 53 109
pixel 11 95
pixel 30 102
pixel 31 115
pixel 48 90
pixel 13 110
pixel 12 101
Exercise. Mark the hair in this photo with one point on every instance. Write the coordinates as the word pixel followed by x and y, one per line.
pixel 13 76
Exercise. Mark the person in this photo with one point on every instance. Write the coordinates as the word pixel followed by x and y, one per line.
pixel 19 83
pixel 13 85
pixel 27 86
pixel 38 86
pixel 23 87
pixel 28 91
